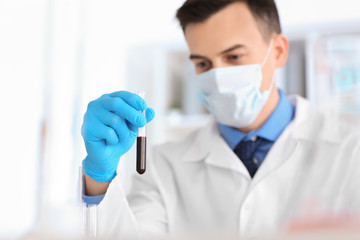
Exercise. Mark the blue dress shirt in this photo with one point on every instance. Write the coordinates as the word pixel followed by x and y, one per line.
pixel 271 130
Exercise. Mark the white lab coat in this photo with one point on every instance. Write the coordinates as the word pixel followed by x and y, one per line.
pixel 198 185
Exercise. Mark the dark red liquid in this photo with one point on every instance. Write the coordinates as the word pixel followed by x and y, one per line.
pixel 141 154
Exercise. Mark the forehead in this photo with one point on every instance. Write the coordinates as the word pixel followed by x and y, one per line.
pixel 232 25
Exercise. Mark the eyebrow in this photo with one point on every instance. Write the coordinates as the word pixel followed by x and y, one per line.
pixel 195 56
pixel 232 48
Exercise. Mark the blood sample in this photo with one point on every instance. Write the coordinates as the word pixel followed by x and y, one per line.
pixel 141 144
pixel 141 154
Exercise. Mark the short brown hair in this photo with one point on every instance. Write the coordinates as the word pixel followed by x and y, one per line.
pixel 264 11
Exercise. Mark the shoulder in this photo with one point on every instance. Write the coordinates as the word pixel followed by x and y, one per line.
pixel 313 125
pixel 331 134
pixel 334 128
pixel 174 151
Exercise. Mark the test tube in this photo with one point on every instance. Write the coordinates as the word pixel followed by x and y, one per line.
pixel 141 143
pixel 91 220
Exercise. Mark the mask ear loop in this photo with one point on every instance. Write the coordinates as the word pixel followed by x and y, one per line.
pixel 265 60
pixel 272 82
pixel 267 53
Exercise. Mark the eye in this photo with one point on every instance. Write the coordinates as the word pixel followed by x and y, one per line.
pixel 202 66
pixel 234 57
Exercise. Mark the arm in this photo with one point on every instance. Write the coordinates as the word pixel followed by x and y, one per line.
pixel 109 131
pixel 93 192
pixel 95 188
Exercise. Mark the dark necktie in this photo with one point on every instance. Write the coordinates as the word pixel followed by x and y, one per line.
pixel 245 150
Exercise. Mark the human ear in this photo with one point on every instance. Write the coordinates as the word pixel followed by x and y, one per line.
pixel 281 46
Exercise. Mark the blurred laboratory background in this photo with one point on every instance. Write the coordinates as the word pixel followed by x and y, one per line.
pixel 57 55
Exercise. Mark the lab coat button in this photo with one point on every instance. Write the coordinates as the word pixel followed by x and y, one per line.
pixel 247 207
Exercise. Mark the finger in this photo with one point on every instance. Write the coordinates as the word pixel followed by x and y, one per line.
pixel 150 114
pixel 132 99
pixel 133 129
pixel 115 122
pixel 123 109
pixel 94 131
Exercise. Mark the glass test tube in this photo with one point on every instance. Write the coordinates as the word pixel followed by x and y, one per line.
pixel 91 220
pixel 141 144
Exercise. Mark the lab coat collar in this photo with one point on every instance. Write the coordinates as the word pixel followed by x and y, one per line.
pixel 207 137
pixel 209 146
pixel 199 146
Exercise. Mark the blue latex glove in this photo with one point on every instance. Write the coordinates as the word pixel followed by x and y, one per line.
pixel 109 130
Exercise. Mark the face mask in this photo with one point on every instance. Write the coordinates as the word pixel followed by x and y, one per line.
pixel 232 94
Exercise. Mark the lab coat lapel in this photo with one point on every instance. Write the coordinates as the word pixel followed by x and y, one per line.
pixel 221 155
pixel 210 147
pixel 284 149
pixel 288 143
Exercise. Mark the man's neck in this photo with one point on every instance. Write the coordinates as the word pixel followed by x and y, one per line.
pixel 265 113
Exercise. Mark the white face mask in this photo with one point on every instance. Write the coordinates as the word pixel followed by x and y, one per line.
pixel 232 94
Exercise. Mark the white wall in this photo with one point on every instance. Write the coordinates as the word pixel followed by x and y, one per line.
pixel 307 12
pixel 21 98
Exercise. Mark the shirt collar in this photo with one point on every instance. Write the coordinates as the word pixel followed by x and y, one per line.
pixel 271 130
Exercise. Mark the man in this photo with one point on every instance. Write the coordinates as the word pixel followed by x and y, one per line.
pixel 264 161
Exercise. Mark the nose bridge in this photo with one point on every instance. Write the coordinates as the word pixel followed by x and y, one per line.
pixel 219 63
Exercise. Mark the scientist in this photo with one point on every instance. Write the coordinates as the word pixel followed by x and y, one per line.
pixel 265 160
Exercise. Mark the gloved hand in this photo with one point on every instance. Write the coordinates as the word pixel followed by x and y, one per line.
pixel 109 130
